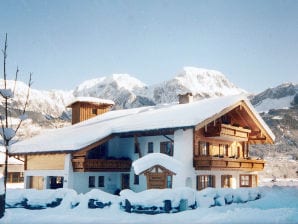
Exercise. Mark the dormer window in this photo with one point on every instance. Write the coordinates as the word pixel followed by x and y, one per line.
pixel 94 111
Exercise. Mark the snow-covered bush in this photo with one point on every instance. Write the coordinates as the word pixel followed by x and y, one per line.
pixel 37 199
pixel 210 197
pixel 97 199
pixel 154 200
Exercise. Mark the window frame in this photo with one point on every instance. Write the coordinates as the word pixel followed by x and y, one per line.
pixel 164 148
pixel 150 147
pixel 204 148
pixel 169 181
pixel 101 181
pixel 94 111
pixel 225 178
pixel 136 179
pixel 204 181
pixel 252 180
pixel 91 181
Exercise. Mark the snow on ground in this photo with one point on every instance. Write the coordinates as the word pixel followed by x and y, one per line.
pixel 276 205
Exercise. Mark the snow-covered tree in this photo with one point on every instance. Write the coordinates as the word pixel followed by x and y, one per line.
pixel 8 129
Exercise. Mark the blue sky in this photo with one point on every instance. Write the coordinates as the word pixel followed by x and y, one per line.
pixel 254 43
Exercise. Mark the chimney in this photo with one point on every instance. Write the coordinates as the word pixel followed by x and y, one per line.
pixel 185 98
pixel 84 108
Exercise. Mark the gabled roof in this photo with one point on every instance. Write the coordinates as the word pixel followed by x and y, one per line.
pixel 142 164
pixel 172 116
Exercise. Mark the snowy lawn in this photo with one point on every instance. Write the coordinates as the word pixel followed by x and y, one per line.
pixel 273 205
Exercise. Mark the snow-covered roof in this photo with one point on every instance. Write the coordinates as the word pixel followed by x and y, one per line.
pixel 174 116
pixel 90 100
pixel 144 163
pixel 11 160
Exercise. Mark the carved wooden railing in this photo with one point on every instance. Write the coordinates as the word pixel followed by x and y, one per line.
pixel 228 131
pixel 102 165
pixel 216 163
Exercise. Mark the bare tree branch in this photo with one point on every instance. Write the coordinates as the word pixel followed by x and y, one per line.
pixel 15 80
pixel 5 56
pixel 26 102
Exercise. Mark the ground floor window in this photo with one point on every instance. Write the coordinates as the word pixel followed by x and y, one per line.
pixel 136 179
pixel 56 182
pixel 169 181
pixel 248 180
pixel 101 181
pixel 91 181
pixel 15 177
pixel 226 181
pixel 204 181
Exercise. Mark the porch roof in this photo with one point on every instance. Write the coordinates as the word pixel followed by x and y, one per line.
pixel 142 164
pixel 170 116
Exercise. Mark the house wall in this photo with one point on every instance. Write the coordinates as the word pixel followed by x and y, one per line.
pixel 44 166
pixel 218 173
pixel 183 152
pixel 125 147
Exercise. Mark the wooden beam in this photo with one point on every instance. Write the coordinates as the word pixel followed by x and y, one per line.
pixel 83 151
pixel 137 145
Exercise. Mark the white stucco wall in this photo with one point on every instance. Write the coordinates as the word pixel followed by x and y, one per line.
pixel 218 173
pixel 183 152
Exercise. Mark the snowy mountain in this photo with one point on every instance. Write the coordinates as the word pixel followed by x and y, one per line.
pixel 202 83
pixel 280 97
pixel 128 91
pixel 125 90
pixel 278 107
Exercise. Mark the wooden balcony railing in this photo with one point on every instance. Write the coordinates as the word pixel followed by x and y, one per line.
pixel 101 165
pixel 226 131
pixel 216 163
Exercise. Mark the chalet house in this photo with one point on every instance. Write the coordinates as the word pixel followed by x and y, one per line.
pixel 196 144
pixel 15 168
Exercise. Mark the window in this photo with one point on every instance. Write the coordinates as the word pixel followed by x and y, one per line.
pixel 56 182
pixel 91 181
pixel 204 148
pixel 101 181
pixel 226 181
pixel 245 149
pixel 248 180
pixel 136 179
pixel 137 147
pixel 169 181
pixel 166 148
pixel 150 147
pixel 226 150
pixel 94 111
pixel 98 152
pixel 204 181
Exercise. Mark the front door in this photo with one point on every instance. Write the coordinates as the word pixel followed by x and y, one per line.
pixel 125 181
pixel 36 182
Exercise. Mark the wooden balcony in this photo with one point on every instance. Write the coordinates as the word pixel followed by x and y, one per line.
pixel 101 165
pixel 226 132
pixel 225 163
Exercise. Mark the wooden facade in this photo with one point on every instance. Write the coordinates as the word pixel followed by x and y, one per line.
pixel 214 163
pixel 45 162
pixel 81 164
pixel 223 143
pixel 158 177
pixel 82 111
